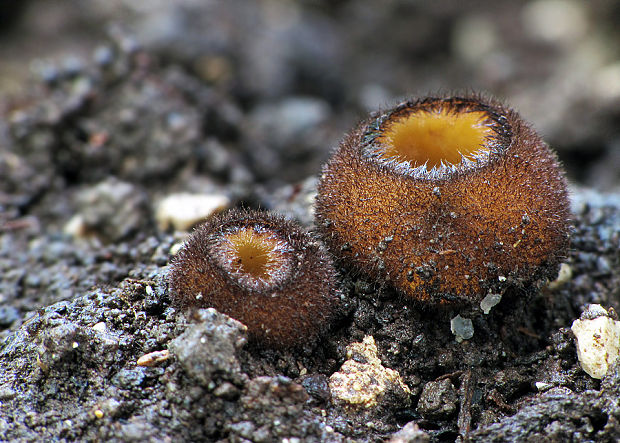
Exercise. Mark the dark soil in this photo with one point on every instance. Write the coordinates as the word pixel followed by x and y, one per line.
pixel 247 99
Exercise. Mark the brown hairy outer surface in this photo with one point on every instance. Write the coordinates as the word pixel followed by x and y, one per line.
pixel 459 233
pixel 292 311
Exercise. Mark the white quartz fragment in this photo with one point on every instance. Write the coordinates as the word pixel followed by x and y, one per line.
pixel 489 302
pixel 182 211
pixel 462 328
pixel 598 340
pixel 565 275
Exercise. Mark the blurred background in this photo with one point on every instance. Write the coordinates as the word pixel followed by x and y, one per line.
pixel 291 77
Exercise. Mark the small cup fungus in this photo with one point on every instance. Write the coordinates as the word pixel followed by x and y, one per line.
pixel 261 270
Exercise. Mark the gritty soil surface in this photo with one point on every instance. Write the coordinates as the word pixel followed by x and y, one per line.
pixel 246 99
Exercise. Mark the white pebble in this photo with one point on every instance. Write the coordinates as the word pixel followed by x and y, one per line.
pixel 543 386
pixel 489 302
pixel 462 328
pixel 598 341
pixel 100 327
pixel 182 211
pixel 555 21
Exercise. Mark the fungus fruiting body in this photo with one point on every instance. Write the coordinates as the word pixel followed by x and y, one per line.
pixel 261 270
pixel 447 199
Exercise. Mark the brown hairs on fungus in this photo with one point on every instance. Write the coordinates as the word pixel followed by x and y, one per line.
pixel 262 270
pixel 447 199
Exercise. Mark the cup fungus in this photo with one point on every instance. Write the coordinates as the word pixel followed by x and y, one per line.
pixel 447 199
pixel 261 270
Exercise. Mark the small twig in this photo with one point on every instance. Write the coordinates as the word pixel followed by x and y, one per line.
pixel 466 392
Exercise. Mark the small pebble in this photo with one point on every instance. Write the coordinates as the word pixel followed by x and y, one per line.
pixel 227 391
pixel 598 341
pixel 363 382
pixel 542 386
pixel 8 315
pixel 153 358
pixel 182 211
pixel 489 302
pixel 462 328
pixel 438 399
pixel 100 327
pixel 317 386
pixel 564 276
